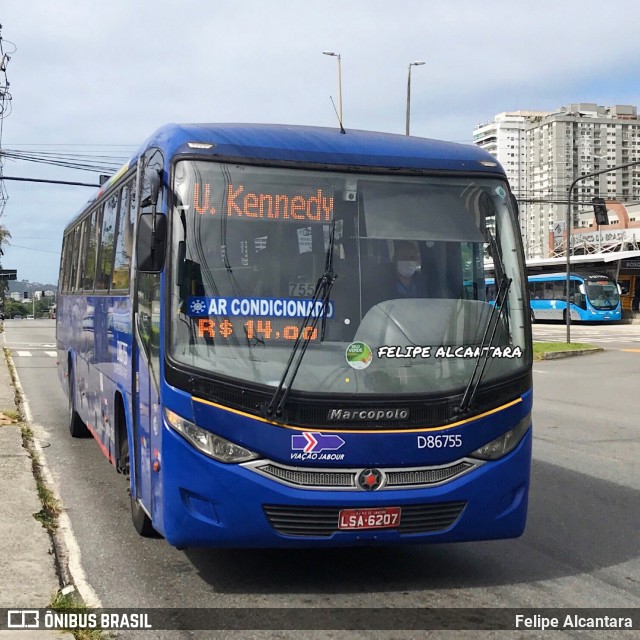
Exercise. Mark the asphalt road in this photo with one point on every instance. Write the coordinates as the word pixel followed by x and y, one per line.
pixel 580 549
pixel 611 336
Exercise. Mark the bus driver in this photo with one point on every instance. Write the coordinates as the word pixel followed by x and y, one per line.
pixel 407 263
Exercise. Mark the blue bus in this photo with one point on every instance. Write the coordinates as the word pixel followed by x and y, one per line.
pixel 593 297
pixel 279 335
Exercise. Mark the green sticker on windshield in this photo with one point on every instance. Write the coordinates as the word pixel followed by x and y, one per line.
pixel 359 355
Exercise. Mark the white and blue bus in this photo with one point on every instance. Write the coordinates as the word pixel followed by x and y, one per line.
pixel 593 297
pixel 229 335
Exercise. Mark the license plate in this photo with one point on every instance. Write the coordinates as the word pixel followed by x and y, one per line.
pixel 379 518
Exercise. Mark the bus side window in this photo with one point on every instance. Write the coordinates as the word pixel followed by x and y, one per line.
pixel 124 242
pixel 104 269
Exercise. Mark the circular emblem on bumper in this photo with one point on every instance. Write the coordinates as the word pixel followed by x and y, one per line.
pixel 370 479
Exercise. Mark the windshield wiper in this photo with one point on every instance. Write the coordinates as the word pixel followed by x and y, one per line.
pixel 485 348
pixel 321 294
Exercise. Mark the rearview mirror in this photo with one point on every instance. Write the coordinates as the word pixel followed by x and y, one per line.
pixel 151 243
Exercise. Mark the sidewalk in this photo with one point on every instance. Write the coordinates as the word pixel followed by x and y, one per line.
pixel 28 577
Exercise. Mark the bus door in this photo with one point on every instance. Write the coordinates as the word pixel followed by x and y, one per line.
pixel 147 376
pixel 147 412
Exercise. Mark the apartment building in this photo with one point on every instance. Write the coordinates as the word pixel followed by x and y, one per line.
pixel 544 152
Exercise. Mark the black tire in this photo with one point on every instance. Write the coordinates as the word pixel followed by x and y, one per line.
pixel 123 464
pixel 77 428
pixel 141 521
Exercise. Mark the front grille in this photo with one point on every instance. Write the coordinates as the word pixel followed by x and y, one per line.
pixel 307 478
pixel 346 479
pixel 323 521
pixel 406 478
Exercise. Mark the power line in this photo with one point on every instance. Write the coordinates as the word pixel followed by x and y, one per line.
pixel 32 248
pixel 83 162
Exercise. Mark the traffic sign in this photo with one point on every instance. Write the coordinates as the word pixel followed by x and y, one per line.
pixel 8 274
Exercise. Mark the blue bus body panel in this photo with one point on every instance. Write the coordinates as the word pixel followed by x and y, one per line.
pixel 95 331
pixel 577 313
pixel 209 503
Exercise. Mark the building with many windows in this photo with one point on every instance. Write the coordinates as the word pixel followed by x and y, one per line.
pixel 544 152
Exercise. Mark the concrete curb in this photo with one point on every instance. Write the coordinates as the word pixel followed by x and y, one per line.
pixel 28 572
pixel 556 355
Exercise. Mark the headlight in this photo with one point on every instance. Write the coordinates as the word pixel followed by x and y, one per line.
pixel 506 443
pixel 209 443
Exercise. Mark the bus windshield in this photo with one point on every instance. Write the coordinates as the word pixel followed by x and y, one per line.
pixel 603 294
pixel 407 311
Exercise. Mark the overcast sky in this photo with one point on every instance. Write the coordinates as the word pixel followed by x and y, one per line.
pixel 100 77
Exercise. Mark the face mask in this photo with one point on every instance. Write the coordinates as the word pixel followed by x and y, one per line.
pixel 406 268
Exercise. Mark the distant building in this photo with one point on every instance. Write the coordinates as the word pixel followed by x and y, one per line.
pixel 543 152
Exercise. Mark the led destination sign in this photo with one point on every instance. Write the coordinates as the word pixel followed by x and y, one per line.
pixel 238 202
pixel 199 306
pixel 258 327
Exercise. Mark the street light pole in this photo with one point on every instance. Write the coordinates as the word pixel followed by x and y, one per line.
pixel 568 224
pixel 411 64
pixel 337 55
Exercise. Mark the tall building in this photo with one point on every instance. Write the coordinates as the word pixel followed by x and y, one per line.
pixel 544 152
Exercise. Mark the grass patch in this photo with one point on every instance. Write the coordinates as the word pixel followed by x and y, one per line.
pixel 68 603
pixel 51 507
pixel 540 348
pixel 9 416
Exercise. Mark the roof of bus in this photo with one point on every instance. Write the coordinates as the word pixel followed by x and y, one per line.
pixel 324 145
pixel 563 275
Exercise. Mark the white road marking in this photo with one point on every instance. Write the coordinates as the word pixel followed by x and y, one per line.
pixel 89 596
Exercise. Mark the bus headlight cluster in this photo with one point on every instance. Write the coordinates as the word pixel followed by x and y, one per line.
pixel 506 443
pixel 209 443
